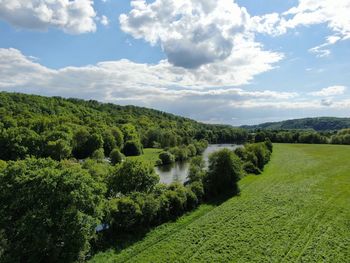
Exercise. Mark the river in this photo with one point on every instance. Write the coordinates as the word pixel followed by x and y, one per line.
pixel 178 171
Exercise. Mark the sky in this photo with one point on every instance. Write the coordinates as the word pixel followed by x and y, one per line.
pixel 216 61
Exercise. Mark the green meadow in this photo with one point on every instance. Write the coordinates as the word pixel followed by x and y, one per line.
pixel 297 210
pixel 150 155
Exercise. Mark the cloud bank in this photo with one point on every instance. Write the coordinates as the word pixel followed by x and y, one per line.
pixel 71 16
pixel 335 14
pixel 156 86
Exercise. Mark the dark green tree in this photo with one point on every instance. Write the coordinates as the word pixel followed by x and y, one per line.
pixel 166 158
pixel 224 172
pixel 132 148
pixel 132 176
pixel 116 156
pixel 48 211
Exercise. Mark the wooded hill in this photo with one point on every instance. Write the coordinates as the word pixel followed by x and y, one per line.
pixel 59 128
pixel 317 124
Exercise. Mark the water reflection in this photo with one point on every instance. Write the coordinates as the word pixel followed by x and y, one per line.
pixel 178 171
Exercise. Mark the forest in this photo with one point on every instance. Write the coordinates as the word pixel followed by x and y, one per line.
pixel 64 128
pixel 319 124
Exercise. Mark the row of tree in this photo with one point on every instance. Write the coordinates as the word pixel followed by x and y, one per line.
pixel 181 153
pixel 297 136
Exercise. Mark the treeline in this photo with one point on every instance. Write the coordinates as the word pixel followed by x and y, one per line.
pixel 170 155
pixel 320 124
pixel 62 211
pixel 296 136
pixel 70 128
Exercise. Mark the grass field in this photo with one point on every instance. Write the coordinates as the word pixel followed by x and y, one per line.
pixel 150 155
pixel 298 210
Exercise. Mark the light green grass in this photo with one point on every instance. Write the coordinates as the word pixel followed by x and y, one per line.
pixel 150 155
pixel 298 210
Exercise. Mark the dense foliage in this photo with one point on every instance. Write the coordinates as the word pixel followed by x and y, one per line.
pixel 254 156
pixel 295 136
pixel 132 176
pixel 316 124
pixel 225 170
pixel 49 211
pixel 341 137
pixel 66 177
pixel 63 128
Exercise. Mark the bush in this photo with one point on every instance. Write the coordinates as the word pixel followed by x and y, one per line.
pixel 132 176
pixel 124 214
pixel 98 155
pixel 116 156
pixel 132 148
pixel 250 168
pixel 255 156
pixel 198 189
pixel 192 151
pixel 261 152
pixel 225 170
pixel 200 146
pixel 191 199
pixel 166 158
pixel 176 202
pixel 196 170
pixel 58 216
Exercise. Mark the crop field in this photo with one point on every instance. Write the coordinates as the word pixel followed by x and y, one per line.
pixel 297 210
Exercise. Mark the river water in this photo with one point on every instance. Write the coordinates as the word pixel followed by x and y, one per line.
pixel 178 171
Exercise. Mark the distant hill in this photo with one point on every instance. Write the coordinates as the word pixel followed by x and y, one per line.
pixel 317 124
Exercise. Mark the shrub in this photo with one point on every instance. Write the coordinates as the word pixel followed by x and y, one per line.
pixel 198 189
pixel 132 148
pixel 180 154
pixel 124 214
pixel 132 176
pixel 116 156
pixel 166 158
pixel 192 151
pixel 191 199
pixel 201 146
pixel 98 155
pixel 196 170
pixel 250 168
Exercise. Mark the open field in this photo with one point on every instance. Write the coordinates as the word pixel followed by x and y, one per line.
pixel 298 210
pixel 150 155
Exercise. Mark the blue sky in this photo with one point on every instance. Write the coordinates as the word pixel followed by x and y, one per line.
pixel 236 62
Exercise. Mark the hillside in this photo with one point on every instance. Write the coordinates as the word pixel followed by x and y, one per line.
pixel 62 128
pixel 317 124
pixel 298 210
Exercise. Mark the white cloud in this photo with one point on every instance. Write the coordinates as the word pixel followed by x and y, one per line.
pixel 330 91
pixel 205 34
pixel 309 12
pixel 129 78
pixel 104 20
pixel 157 86
pixel 71 16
